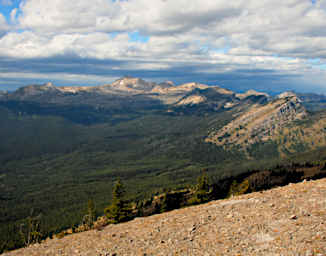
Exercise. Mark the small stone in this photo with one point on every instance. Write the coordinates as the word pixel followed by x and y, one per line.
pixel 192 229
pixel 293 217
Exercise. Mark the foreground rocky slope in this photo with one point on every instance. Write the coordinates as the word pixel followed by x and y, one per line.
pixel 287 220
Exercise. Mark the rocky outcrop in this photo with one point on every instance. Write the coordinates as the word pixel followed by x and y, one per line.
pixel 260 122
pixel 287 95
pixel 249 93
pixel 285 221
pixel 130 84
pixel 207 99
pixel 192 100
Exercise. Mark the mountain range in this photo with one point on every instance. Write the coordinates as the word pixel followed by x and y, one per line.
pixel 127 89
pixel 254 117
pixel 61 146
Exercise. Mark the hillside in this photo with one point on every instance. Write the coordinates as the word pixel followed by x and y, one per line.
pixel 287 220
pixel 260 123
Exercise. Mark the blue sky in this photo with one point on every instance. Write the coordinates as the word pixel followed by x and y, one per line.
pixel 254 44
pixel 7 6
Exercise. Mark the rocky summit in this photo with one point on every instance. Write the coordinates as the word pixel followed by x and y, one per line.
pixel 288 220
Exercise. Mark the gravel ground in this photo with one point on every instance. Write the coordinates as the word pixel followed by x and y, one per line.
pixel 288 220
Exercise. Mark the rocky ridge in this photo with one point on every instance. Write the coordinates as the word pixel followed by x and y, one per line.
pixel 35 90
pixel 166 92
pixel 288 220
pixel 251 93
pixel 260 123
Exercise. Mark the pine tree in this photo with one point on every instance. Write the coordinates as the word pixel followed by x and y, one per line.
pixel 119 210
pixel 202 192
pixel 91 210
pixel 89 218
pixel 237 189
pixel 165 204
pixel 30 230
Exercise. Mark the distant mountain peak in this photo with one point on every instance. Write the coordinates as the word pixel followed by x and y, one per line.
pixel 169 82
pixel 166 84
pixel 35 91
pixel 49 84
pixel 131 84
pixel 249 93
pixel 286 95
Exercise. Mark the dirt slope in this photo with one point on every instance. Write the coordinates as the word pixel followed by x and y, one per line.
pixel 288 220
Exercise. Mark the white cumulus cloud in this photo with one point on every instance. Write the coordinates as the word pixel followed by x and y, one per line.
pixel 277 35
pixel 3 25
pixel 293 28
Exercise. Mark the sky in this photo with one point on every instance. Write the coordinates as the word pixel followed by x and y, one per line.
pixel 267 45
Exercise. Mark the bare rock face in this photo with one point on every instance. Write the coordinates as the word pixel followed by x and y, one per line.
pixel 287 220
pixel 131 84
pixel 286 95
pixel 74 89
pixel 249 93
pixel 260 122
pixel 192 100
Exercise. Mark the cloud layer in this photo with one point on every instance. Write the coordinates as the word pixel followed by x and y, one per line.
pixel 275 44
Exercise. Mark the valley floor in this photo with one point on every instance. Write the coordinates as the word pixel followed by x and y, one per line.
pixel 288 220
